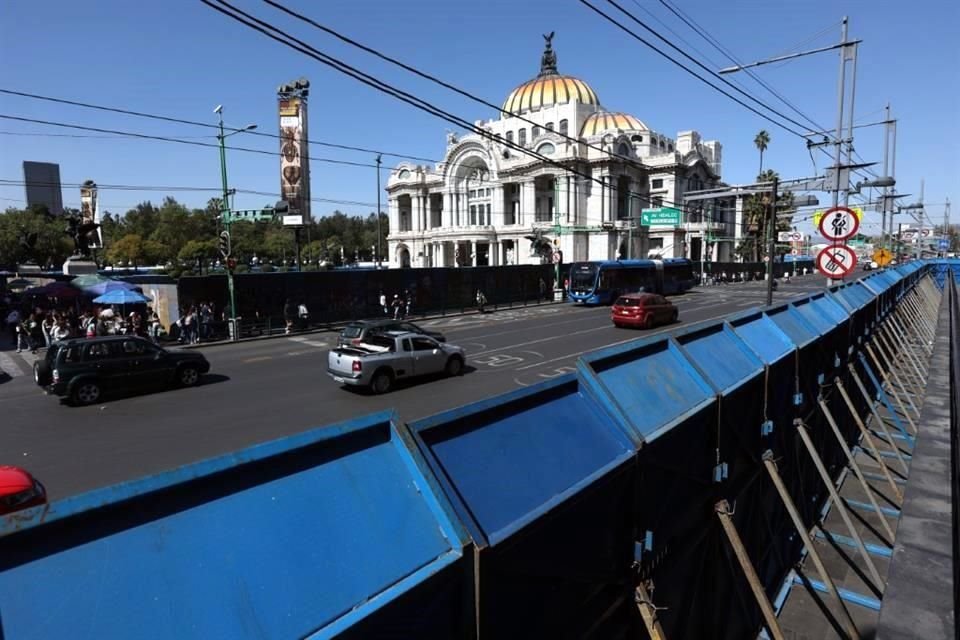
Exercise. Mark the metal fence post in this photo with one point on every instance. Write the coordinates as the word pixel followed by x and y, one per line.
pixel 648 611
pixel 896 381
pixel 879 419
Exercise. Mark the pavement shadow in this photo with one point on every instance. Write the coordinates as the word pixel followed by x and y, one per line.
pixel 112 395
pixel 5 377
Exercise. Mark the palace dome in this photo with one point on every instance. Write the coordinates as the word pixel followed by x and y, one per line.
pixel 545 91
pixel 605 120
pixel 549 87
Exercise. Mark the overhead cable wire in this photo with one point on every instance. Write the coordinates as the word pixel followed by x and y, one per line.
pixel 438 81
pixel 147 136
pixel 690 71
pixel 208 125
pixel 690 22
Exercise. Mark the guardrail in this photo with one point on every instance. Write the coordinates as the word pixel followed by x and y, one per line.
pixel 665 488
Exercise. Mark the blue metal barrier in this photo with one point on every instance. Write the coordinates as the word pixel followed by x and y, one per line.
pixel 543 478
pixel 309 536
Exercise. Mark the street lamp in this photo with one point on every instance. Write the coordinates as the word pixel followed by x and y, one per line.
pixel 225 212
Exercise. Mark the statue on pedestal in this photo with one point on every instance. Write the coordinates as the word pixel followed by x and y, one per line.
pixel 82 234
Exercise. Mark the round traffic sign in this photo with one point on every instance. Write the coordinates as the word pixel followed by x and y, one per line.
pixel 839 223
pixel 836 261
pixel 794 252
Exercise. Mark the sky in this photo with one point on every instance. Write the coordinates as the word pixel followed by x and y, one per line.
pixel 180 58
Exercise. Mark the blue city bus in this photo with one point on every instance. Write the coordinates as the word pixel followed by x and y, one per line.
pixel 603 282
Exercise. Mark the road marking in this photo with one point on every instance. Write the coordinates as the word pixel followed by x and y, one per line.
pixel 9 366
pixel 496 361
pixel 556 373
pixel 525 344
pixel 310 343
pixel 258 359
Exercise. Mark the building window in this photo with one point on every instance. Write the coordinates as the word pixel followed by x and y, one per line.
pixel 489 218
pixel 535 133
pixel 549 126
pixel 522 137
pixel 473 214
pixel 546 149
pixel 509 136
pixel 662 144
pixel 563 127
pixel 404 174
pixel 623 150
pixel 636 139
pixel 656 183
pixel 670 147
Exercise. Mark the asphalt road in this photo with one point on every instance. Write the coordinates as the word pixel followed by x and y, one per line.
pixel 262 390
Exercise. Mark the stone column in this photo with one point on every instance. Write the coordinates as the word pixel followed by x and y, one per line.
pixel 446 221
pixel 528 202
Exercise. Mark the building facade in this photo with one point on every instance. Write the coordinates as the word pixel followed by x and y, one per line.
pixel 575 187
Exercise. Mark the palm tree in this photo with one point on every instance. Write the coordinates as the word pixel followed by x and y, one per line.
pixel 761 142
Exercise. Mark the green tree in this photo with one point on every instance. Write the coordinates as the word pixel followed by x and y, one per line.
pixel 760 141
pixel 756 210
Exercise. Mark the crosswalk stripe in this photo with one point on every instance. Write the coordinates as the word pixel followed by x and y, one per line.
pixel 10 366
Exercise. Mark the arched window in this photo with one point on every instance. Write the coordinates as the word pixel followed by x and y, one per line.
pixel 509 136
pixel 535 133
pixel 563 127
pixel 636 138
pixel 623 149
pixel 549 126
pixel 404 174
pixel 522 137
pixel 670 147
pixel 546 149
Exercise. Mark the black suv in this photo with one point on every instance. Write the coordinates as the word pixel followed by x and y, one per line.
pixel 357 331
pixel 85 369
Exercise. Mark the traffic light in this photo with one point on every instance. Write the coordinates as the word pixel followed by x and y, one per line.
pixel 231 264
pixel 225 244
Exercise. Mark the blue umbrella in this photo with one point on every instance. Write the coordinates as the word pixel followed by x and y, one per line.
pixel 101 288
pixel 122 296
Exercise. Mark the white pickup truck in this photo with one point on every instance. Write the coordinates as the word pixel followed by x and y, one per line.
pixel 382 359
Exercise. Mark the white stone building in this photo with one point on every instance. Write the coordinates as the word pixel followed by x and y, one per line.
pixel 486 203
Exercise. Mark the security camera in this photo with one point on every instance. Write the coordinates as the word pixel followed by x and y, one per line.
pixel 218 109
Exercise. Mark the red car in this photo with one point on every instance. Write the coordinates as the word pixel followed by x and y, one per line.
pixel 19 490
pixel 645 310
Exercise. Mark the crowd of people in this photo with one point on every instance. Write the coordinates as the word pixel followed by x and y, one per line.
pixel 399 307
pixel 36 326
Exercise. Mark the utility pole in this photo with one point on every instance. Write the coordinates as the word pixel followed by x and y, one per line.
pixel 771 223
pixel 379 160
pixel 946 228
pixel 841 90
pixel 886 167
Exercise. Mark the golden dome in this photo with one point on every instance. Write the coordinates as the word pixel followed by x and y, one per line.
pixel 605 120
pixel 545 91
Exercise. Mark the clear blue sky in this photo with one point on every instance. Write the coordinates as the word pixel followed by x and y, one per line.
pixel 180 58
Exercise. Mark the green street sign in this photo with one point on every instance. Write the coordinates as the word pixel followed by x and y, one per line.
pixel 660 216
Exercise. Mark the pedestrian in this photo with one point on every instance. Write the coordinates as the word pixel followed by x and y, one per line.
pixel 154 325
pixel 543 289
pixel 383 303
pixel 304 314
pixel 35 325
pixel 397 306
pixel 289 315
pixel 407 303
pixel 23 336
pixel 481 301
pixel 13 324
pixel 47 327
pixel 61 331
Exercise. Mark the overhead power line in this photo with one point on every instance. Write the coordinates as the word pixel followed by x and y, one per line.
pixel 146 136
pixel 168 189
pixel 690 22
pixel 208 125
pixel 690 71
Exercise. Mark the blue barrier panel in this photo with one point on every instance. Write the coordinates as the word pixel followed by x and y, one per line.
pixel 307 536
pixel 820 312
pixel 650 381
pixel 854 296
pixel 762 335
pixel 543 478
pixel 720 355
pixel 793 324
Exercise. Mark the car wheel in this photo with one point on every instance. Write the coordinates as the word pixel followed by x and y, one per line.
pixel 86 392
pixel 675 317
pixel 648 323
pixel 41 372
pixel 454 366
pixel 381 383
pixel 188 376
